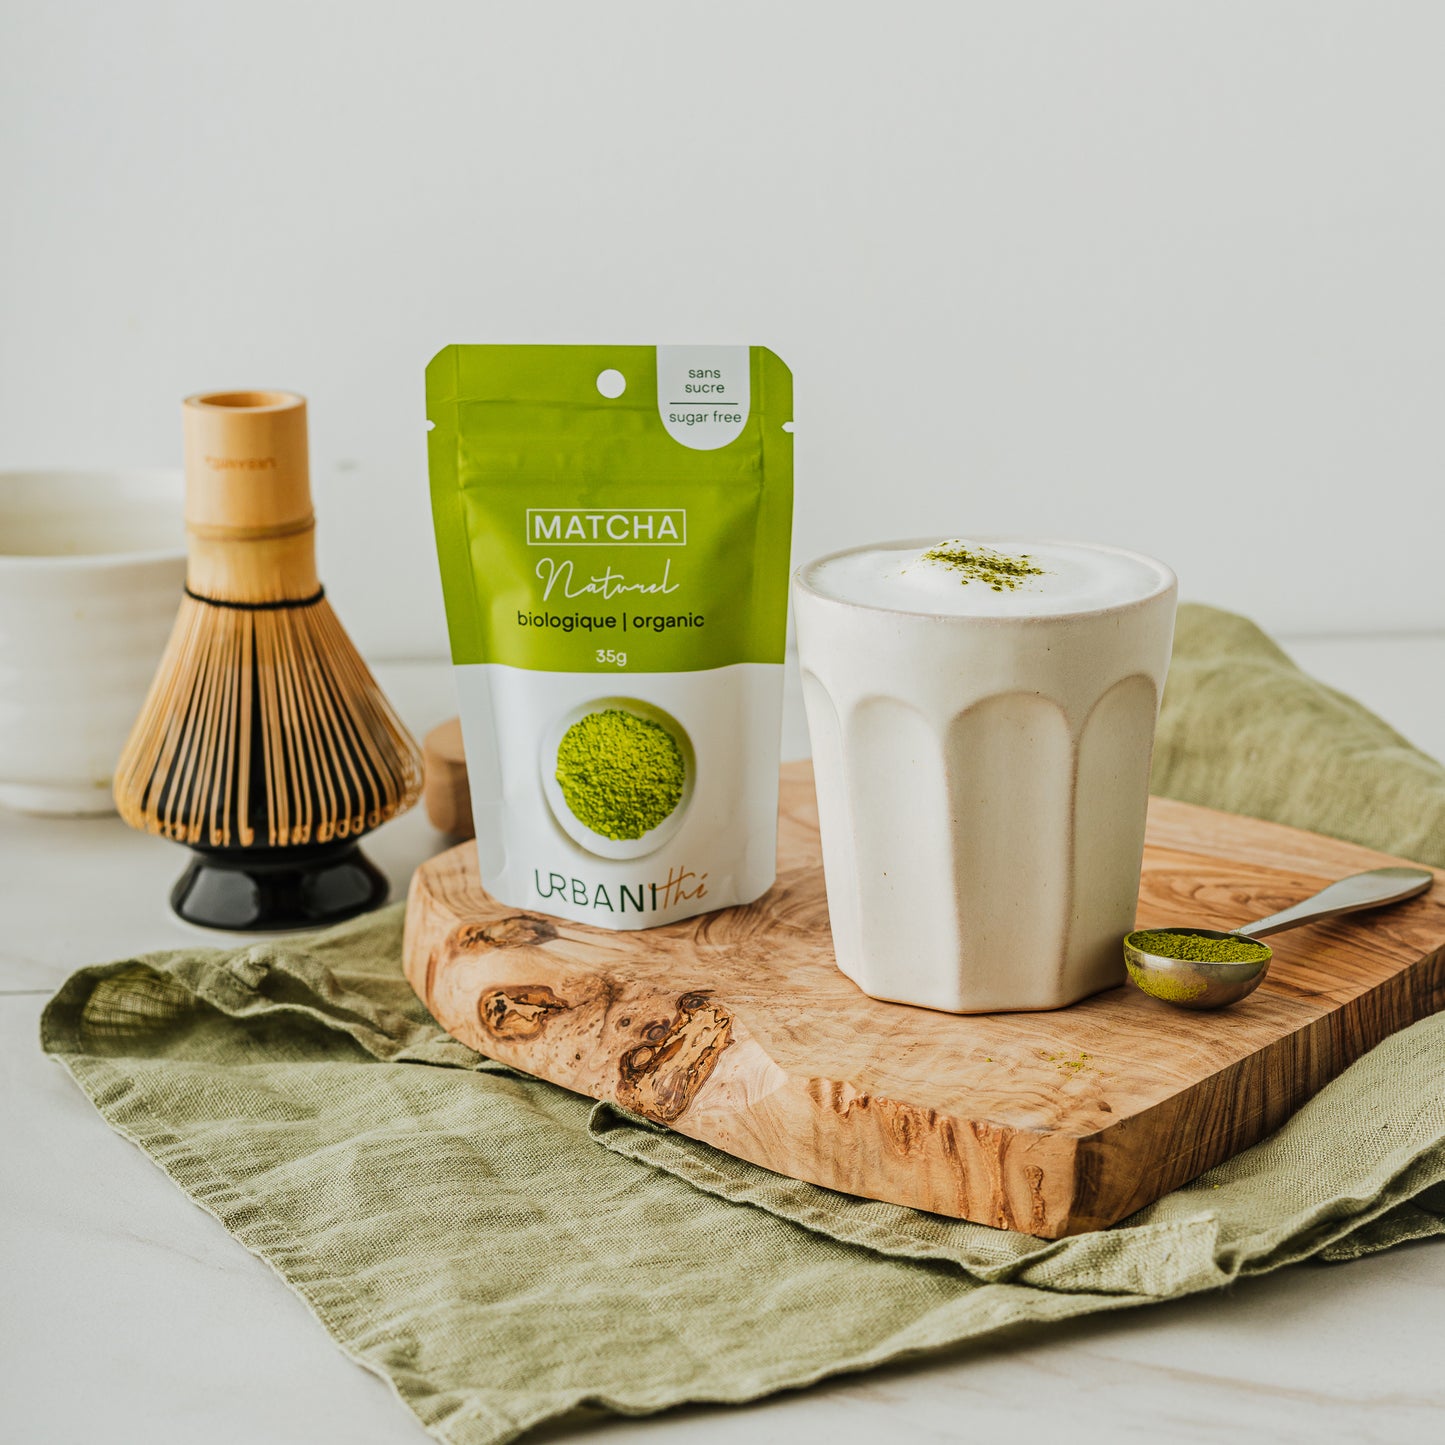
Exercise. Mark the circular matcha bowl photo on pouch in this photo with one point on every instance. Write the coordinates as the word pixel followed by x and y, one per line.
pixel 618 775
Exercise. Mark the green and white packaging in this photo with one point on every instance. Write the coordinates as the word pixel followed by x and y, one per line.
pixel 613 527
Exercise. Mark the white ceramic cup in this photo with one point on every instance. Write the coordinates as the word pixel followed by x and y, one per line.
pixel 92 565
pixel 982 788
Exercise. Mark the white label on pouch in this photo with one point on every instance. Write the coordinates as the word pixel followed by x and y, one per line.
pixel 703 394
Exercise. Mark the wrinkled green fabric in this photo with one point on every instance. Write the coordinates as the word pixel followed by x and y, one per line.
pixel 503 1251
pixel 1244 730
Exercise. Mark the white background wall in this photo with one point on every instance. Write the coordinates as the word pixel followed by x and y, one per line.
pixel 1171 275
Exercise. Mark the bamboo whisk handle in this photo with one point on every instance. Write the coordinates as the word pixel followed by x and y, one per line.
pixel 249 523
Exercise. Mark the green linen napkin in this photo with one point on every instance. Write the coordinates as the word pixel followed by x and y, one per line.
pixel 1244 730
pixel 502 1251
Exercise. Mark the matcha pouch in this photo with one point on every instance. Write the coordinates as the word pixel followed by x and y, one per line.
pixel 613 527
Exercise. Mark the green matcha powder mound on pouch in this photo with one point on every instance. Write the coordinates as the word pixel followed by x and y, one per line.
pixel 620 774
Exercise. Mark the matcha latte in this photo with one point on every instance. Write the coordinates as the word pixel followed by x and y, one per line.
pixel 982 714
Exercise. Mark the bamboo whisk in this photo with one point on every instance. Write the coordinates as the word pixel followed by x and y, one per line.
pixel 265 743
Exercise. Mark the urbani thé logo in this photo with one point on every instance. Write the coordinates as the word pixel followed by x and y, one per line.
pixel 606 527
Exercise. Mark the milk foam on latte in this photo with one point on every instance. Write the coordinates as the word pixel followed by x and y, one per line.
pixel 1012 577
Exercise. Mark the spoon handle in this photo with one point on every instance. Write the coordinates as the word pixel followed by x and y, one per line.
pixel 1349 895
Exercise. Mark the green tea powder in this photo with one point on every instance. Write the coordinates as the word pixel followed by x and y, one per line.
pixel 620 774
pixel 982 564
pixel 1191 948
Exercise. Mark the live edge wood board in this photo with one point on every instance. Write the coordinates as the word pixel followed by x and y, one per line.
pixel 736 1028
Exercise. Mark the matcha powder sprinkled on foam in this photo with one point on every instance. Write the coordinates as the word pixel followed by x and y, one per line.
pixel 998 570
pixel 620 774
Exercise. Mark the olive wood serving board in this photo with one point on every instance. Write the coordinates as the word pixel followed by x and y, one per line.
pixel 737 1028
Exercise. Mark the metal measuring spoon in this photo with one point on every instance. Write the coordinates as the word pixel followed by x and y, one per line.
pixel 1191 983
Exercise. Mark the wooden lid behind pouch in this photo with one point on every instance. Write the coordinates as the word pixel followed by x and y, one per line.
pixel 446 795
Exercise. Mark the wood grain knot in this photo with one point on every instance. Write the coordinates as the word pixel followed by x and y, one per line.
pixel 519 1012
pixel 907 1129
pixel 1038 1205
pixel 661 1077
pixel 515 931
pixel 836 1094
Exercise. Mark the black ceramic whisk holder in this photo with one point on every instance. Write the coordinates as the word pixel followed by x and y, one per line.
pixel 257 889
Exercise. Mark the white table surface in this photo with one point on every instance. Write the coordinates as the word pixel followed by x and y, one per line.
pixel 129 1315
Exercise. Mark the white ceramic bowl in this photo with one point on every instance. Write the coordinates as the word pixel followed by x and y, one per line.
pixel 92 565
